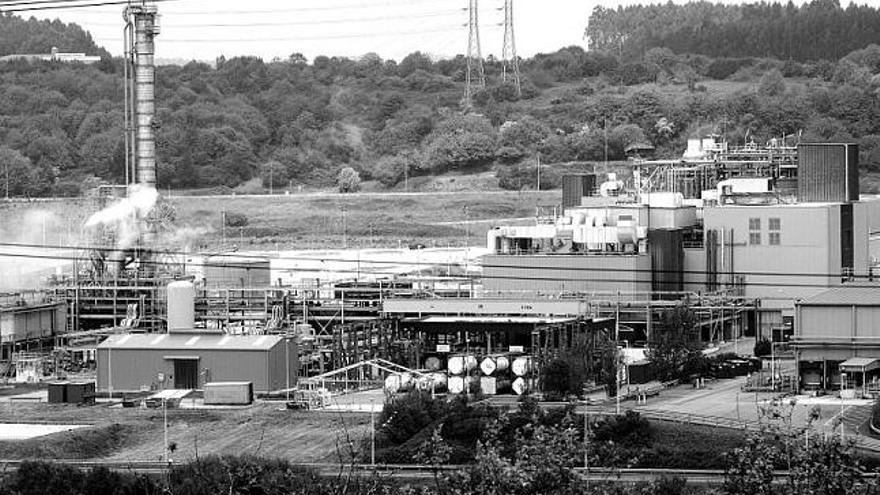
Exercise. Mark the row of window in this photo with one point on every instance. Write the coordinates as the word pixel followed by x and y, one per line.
pixel 774 237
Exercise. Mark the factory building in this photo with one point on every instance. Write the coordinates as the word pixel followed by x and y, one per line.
pixel 136 362
pixel 758 230
pixel 29 322
pixel 837 339
pixel 779 253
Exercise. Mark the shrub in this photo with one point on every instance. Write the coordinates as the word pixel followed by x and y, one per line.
pixel 236 219
pixel 627 430
pixel 762 348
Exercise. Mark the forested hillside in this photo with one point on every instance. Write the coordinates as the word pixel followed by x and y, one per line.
pixel 247 123
pixel 34 36
pixel 818 30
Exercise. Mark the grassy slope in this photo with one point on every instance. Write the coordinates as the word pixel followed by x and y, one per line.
pixel 304 221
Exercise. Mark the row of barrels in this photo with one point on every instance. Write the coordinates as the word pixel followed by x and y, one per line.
pixel 466 374
pixel 520 366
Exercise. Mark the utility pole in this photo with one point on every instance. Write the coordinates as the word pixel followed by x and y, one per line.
pixel 344 230
pixel 467 238
pixel 539 172
pixel 6 166
pixel 475 77
pixel 510 62
pixel 617 353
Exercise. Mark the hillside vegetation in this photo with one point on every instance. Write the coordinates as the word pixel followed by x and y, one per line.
pixel 246 124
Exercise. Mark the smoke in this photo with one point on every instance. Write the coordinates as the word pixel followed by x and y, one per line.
pixel 185 238
pixel 29 249
pixel 125 214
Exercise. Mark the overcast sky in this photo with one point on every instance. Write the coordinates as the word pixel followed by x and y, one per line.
pixel 392 28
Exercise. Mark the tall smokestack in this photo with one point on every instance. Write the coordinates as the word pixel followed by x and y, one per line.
pixel 142 21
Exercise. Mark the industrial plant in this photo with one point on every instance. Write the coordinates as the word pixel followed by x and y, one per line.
pixel 772 242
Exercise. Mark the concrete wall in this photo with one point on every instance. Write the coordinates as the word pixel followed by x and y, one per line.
pixel 566 273
pixel 132 369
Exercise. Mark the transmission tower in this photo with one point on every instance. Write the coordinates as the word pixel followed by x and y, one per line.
pixel 509 62
pixel 476 77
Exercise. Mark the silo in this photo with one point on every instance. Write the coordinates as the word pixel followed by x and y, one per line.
pixel 181 306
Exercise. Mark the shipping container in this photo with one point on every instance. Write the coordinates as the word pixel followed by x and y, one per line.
pixel 58 392
pixel 229 393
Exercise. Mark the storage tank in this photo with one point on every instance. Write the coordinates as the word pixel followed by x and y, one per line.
pixel 236 272
pixel 458 365
pixel 181 306
pixel 433 363
pixel 460 384
pixel 491 364
pixel 522 366
pixel 523 385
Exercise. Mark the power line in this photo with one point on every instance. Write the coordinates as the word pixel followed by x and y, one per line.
pixel 68 4
pixel 317 22
pixel 361 270
pixel 484 265
pixel 306 38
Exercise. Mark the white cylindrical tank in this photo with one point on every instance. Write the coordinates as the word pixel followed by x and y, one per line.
pixel 520 386
pixel 458 365
pixel 181 306
pixel 433 363
pixel 522 366
pixel 491 364
pixel 392 383
pixel 459 384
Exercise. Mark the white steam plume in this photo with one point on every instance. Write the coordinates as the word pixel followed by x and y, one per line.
pixel 124 214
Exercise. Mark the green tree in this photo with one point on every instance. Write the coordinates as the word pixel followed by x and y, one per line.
pixel 348 180
pixel 18 174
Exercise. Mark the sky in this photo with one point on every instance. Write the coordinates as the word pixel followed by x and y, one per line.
pixel 203 30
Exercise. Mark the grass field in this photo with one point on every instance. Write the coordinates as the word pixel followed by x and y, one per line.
pixel 138 434
pixel 359 220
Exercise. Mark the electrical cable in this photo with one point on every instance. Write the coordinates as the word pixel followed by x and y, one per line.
pixel 363 261
pixel 77 6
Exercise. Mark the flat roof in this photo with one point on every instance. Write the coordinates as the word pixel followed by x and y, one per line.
pixel 191 342
pixel 858 295
pixel 860 364
pixel 528 320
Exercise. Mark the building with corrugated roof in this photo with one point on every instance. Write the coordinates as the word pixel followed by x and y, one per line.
pixel 837 339
pixel 137 362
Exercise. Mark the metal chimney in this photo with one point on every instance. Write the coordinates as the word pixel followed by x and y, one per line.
pixel 141 29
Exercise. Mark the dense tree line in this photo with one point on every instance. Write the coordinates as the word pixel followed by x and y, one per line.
pixel 20 36
pixel 252 124
pixel 817 30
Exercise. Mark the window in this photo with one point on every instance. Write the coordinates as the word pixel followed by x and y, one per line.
pixel 754 224
pixel 775 224
pixel 755 231
pixel 774 238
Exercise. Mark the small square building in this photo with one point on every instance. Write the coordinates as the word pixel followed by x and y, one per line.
pixel 135 362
